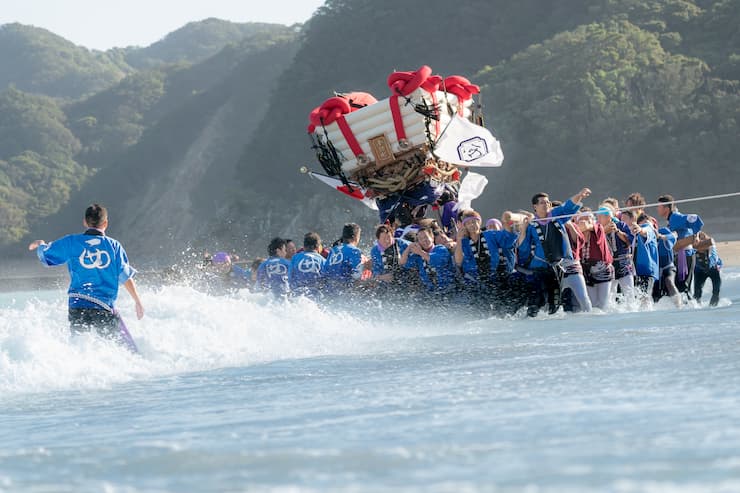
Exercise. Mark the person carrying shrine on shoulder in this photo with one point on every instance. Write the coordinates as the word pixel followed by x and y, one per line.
pixel 386 255
pixel 433 263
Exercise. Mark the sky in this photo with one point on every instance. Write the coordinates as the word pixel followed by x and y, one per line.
pixel 104 24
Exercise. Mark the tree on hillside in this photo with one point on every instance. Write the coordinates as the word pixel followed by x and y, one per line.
pixel 606 104
pixel 37 171
pixel 197 41
pixel 38 61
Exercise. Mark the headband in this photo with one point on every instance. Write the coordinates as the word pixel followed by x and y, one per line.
pixel 467 219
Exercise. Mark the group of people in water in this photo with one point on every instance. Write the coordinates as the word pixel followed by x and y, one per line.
pixel 559 254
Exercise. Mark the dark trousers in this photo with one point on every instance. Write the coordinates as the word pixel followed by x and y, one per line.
pixel 544 288
pixel 103 322
pixel 700 277
pixel 684 285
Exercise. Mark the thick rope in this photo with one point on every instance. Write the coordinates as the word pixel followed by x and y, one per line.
pixel 655 204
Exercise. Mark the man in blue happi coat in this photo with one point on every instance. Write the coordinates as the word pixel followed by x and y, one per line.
pixel 97 264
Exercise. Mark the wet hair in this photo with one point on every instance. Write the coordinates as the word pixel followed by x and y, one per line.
pixel 275 245
pixel 383 228
pixel 428 222
pixel 95 215
pixel 611 201
pixel 311 241
pixel 470 213
pixel 410 236
pixel 425 229
pixel 350 231
pixel 636 199
pixel 402 214
pixel 642 217
pixel 667 198
pixel 536 197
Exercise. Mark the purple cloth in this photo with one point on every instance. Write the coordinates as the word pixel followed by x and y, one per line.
pixel 449 214
pixel 125 336
pixel 221 258
pixel 682 265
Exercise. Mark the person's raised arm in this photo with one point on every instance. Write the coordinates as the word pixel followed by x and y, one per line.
pixel 35 244
pixel 461 234
pixel 523 230
pixel 577 198
pixel 404 258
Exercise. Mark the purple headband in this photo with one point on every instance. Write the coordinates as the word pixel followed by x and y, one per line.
pixel 470 218
pixel 221 258
pixel 494 222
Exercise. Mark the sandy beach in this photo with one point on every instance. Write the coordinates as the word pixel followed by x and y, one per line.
pixel 729 252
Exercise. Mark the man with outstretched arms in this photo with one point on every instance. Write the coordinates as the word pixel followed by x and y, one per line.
pixel 305 267
pixel 686 226
pixel 344 266
pixel 97 265
pixel 542 244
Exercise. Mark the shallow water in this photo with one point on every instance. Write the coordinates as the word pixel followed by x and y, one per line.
pixel 242 394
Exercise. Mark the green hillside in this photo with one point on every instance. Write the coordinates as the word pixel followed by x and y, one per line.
pixel 49 148
pixel 620 96
pixel 37 170
pixel 38 61
pixel 174 182
pixel 196 41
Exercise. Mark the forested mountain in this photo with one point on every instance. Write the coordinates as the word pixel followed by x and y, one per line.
pixel 38 61
pixel 195 42
pixel 174 183
pixel 37 170
pixel 113 120
pixel 49 148
pixel 621 96
pixel 599 93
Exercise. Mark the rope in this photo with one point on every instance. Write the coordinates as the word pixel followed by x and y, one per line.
pixel 91 299
pixel 124 334
pixel 655 204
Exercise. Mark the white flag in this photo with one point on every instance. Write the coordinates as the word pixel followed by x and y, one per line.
pixel 466 144
pixel 471 188
pixel 356 192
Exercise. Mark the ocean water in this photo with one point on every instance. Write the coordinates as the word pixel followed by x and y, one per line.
pixel 239 393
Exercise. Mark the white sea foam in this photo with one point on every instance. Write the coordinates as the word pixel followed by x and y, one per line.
pixel 186 330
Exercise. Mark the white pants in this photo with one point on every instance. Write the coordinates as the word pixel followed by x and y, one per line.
pixel 600 294
pixel 628 288
pixel 577 285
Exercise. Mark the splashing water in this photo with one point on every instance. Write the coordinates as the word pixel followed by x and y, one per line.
pixel 241 392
